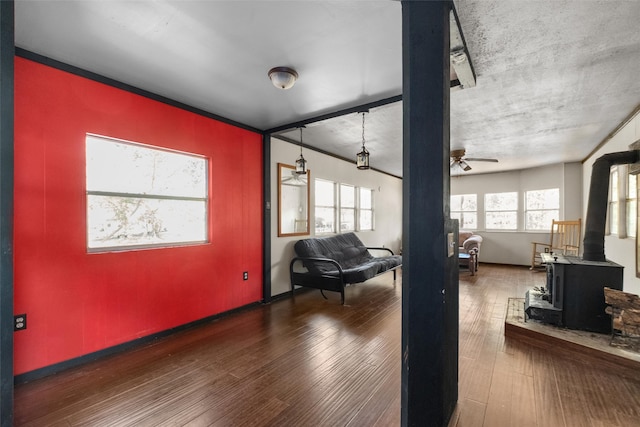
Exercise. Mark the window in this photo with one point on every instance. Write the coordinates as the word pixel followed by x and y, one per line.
pixel 140 196
pixel 464 208
pixel 347 207
pixel 325 212
pixel 365 209
pixel 541 207
pixel 614 207
pixel 632 203
pixel 501 211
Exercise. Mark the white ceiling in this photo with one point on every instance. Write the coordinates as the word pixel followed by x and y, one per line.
pixel 554 78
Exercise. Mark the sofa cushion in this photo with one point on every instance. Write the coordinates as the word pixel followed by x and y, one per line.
pixel 347 249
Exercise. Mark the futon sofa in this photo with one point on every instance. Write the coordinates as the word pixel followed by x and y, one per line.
pixel 330 263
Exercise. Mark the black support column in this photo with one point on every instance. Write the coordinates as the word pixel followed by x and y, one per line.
pixel 429 294
pixel 266 218
pixel 6 211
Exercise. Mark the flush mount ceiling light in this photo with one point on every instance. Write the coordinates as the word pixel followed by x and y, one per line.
pixel 283 77
pixel 362 158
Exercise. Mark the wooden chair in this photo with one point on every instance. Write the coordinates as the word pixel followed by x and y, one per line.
pixel 564 239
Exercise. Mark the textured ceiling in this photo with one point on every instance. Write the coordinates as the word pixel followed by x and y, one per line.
pixel 554 78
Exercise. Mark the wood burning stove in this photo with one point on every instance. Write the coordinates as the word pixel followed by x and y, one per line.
pixel 574 292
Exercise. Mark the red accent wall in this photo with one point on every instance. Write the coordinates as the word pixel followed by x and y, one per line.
pixel 78 303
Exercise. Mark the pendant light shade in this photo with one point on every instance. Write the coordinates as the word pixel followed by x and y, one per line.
pixel 283 77
pixel 362 158
pixel 301 163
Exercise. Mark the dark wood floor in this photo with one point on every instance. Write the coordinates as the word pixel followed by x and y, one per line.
pixel 311 362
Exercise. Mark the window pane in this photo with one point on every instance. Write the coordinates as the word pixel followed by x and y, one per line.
pixel 464 202
pixel 501 201
pixel 632 187
pixel 464 208
pixel 325 193
pixel 613 185
pixel 502 220
pixel 540 220
pixel 119 167
pixel 325 222
pixel 143 196
pixel 543 199
pixel 347 196
pixel 469 220
pixel 613 218
pixel 347 220
pixel 632 197
pixel 366 222
pixel 130 221
pixel 631 217
pixel 365 198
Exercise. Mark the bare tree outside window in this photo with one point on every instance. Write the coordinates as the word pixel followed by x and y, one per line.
pixel 501 211
pixel 464 208
pixel 541 207
pixel 141 196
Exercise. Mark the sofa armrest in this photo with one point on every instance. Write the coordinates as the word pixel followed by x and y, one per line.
pixel 381 249
pixel 472 242
pixel 300 265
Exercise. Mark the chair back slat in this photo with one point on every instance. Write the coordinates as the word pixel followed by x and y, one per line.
pixel 565 236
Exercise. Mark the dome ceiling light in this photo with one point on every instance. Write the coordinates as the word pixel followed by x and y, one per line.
pixel 283 77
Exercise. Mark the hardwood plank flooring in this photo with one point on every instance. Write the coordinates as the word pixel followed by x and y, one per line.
pixel 308 361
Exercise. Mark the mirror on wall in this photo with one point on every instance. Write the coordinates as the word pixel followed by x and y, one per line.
pixel 293 201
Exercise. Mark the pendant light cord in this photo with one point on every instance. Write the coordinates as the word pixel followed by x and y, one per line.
pixel 363 129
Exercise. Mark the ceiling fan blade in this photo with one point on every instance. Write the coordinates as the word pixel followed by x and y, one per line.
pixel 464 165
pixel 473 159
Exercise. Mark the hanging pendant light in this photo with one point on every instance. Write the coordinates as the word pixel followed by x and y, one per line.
pixel 301 163
pixel 362 158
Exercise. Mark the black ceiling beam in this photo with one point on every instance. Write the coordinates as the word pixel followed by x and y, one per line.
pixel 326 153
pixel 356 109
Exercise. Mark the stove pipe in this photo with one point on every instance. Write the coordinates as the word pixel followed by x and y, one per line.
pixel 598 202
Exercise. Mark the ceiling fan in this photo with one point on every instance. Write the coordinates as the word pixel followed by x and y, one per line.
pixel 294 179
pixel 459 161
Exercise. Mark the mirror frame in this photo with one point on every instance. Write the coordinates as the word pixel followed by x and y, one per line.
pixel 281 168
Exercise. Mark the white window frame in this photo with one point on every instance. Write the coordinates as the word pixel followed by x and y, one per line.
pixel 344 209
pixel 333 206
pixel 155 226
pixel 553 210
pixel 460 214
pixel 488 211
pixel 631 203
pixel 613 208
pixel 360 209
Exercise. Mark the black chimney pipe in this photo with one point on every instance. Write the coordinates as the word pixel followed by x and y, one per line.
pixel 598 202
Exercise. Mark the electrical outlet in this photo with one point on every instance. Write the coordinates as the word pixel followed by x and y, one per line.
pixel 245 275
pixel 19 322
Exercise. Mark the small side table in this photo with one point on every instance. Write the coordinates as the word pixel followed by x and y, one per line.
pixel 470 261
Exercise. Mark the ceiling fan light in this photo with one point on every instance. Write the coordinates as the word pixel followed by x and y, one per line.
pixel 465 166
pixel 283 77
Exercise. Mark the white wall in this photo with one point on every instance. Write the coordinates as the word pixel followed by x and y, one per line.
pixel 621 251
pixel 514 247
pixel 387 205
